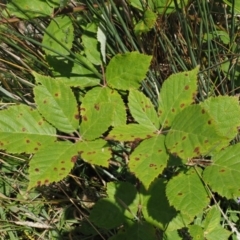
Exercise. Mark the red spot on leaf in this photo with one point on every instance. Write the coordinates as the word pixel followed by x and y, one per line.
pixel 39 144
pixel 147 106
pixel 46 181
pixel 148 136
pixel 96 106
pixel 203 111
pixel 27 141
pixel 56 94
pixel 82 109
pixel 40 123
pixel 222 170
pixel 209 122
pixel 152 165
pixel 197 150
pixel 62 162
pixel 80 152
pixel 159 150
pixel 63 169
pixel 35 149
pixel 183 138
pixel 186 87
pixel 38 183
pixel 180 194
pixel 36 169
pixel 1 143
pixel 24 129
pixel 173 110
pixel 45 101
pixel 206 141
pixel 77 116
pixel 182 105
pixel 186 74
pixel 74 159
pixel 84 118
pixel 55 169
pixel 136 158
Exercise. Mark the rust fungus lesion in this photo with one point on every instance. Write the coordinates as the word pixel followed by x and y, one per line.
pixel 97 106
pixel 186 87
pixel 56 94
pixel 196 150
pixel 182 105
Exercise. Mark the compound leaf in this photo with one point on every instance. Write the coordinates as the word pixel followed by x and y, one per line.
pixel 142 109
pixel 96 152
pixel 52 163
pixel 100 109
pixel 223 176
pixel 149 159
pixel 177 92
pixel 23 129
pixel 57 103
pixel 61 29
pixel 131 132
pixel 187 193
pixel 193 133
pixel 126 71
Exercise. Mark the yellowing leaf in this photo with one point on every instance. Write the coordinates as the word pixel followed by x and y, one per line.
pixel 100 109
pixel 149 159
pixel 177 92
pixel 52 164
pixel 57 103
pixel 23 129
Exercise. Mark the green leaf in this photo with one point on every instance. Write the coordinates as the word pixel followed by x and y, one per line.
pixel 74 74
pixel 60 28
pixel 223 176
pixel 218 233
pixel 187 193
pixel 131 132
pixel 90 44
pixel 100 109
pixel 142 109
pixel 177 92
pixel 196 232
pixel 139 231
pixel 126 71
pixel 96 152
pixel 109 212
pixel 155 206
pixel 212 219
pixel 106 214
pixel 225 111
pixel 23 129
pixel 51 163
pixel 192 134
pixel 147 23
pixel 180 221
pixel 57 103
pixel 149 159
pixel 30 9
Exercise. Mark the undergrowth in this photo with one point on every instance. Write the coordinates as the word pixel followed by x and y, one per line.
pixel 85 154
